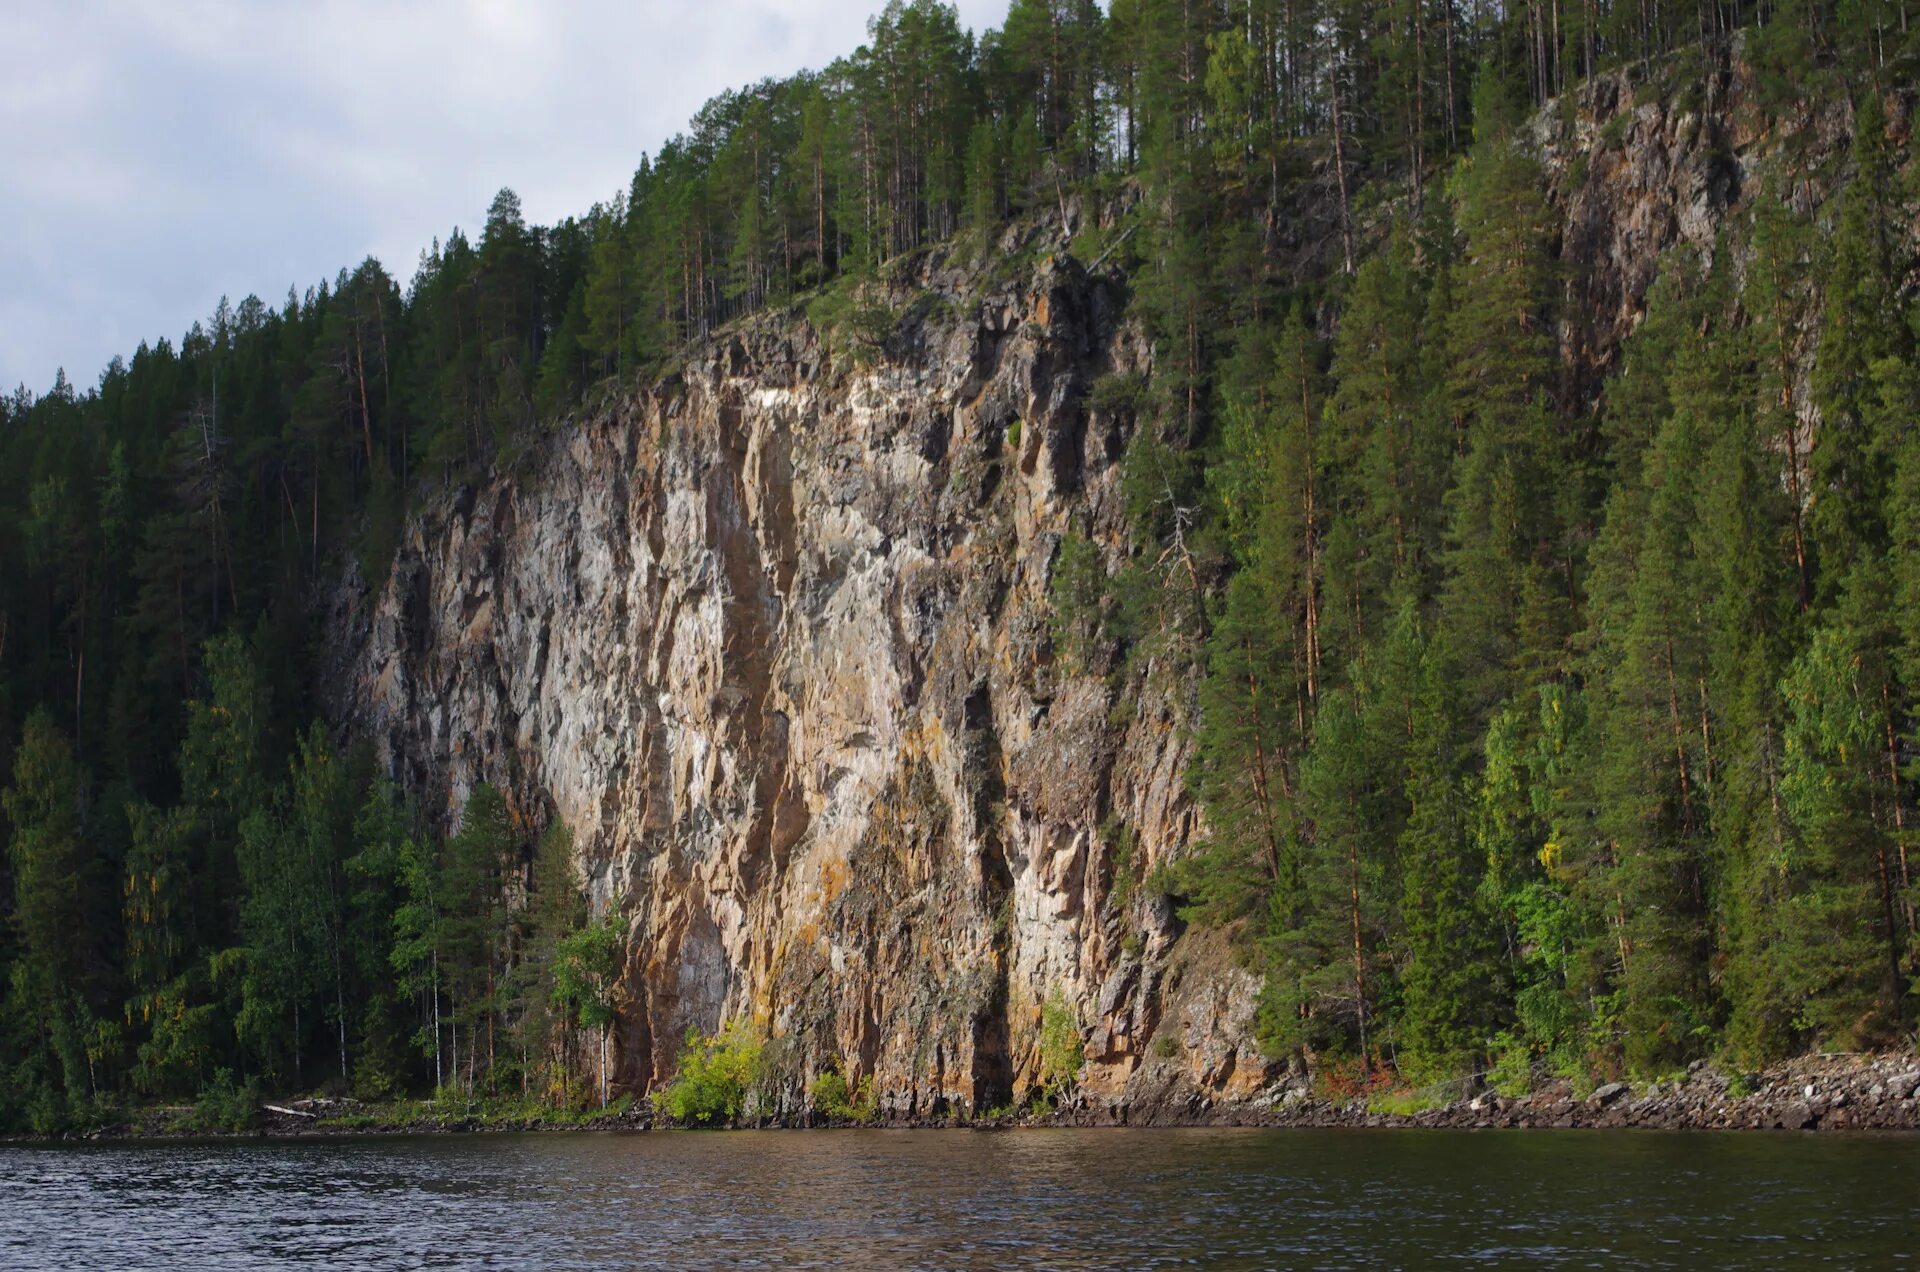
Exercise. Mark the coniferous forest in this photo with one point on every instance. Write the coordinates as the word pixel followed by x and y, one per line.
pixel 1542 713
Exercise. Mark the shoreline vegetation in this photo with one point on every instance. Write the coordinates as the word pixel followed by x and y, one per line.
pixel 1853 1092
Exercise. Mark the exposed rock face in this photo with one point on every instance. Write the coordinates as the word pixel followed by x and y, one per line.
pixel 1649 163
pixel 772 639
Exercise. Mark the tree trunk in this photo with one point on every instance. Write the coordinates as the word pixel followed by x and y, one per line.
pixel 1359 950
pixel 1340 156
pixel 1899 812
pixel 439 1076
pixel 366 405
pixel 1262 791
pixel 1311 545
pixel 1679 747
pixel 340 1005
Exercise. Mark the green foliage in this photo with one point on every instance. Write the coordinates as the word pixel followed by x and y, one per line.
pixel 586 971
pixel 293 918
pixel 1062 1054
pixel 842 1101
pixel 1077 594
pixel 855 317
pixel 1529 737
pixel 586 968
pixel 1511 1073
pixel 51 978
pixel 1404 1103
pixel 1451 978
pixel 168 990
pixel 1117 393
pixel 1841 944
pixel 716 1076
pixel 226 1105
pixel 1123 855
pixel 1615 130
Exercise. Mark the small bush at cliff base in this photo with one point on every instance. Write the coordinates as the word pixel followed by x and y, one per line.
pixel 1511 1073
pixel 844 1102
pixel 1350 1079
pixel 226 1105
pixel 716 1075
pixel 41 1109
pixel 1403 1103
pixel 1061 1054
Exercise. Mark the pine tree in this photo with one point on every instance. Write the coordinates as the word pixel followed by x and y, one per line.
pixel 223 761
pixel 376 895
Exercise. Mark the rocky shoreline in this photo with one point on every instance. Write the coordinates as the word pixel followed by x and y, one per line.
pixel 1828 1093
pixel 1816 1093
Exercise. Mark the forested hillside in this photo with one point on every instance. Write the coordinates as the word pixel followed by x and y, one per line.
pixel 1554 705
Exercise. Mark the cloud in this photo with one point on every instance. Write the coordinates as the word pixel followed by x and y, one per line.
pixel 160 155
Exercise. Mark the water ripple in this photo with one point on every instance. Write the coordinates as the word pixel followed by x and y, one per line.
pixel 1022 1199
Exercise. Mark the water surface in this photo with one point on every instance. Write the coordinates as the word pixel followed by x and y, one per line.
pixel 957 1199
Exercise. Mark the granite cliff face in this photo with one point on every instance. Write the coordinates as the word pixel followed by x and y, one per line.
pixel 772 638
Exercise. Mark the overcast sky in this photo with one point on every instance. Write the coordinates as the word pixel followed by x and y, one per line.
pixel 155 156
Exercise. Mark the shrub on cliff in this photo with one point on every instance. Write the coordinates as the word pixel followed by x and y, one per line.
pixel 1062 1055
pixel 842 1101
pixel 716 1075
pixel 1077 594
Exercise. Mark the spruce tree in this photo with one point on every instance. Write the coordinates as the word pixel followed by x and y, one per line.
pixel 1450 971
pixel 1861 327
pixel 1505 602
pixel 1841 958
pixel 1388 451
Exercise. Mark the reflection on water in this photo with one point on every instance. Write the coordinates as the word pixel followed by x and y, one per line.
pixel 955 1199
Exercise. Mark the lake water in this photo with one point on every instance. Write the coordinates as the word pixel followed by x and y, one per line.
pixel 959 1199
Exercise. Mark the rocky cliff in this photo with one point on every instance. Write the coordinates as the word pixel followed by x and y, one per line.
pixel 772 638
